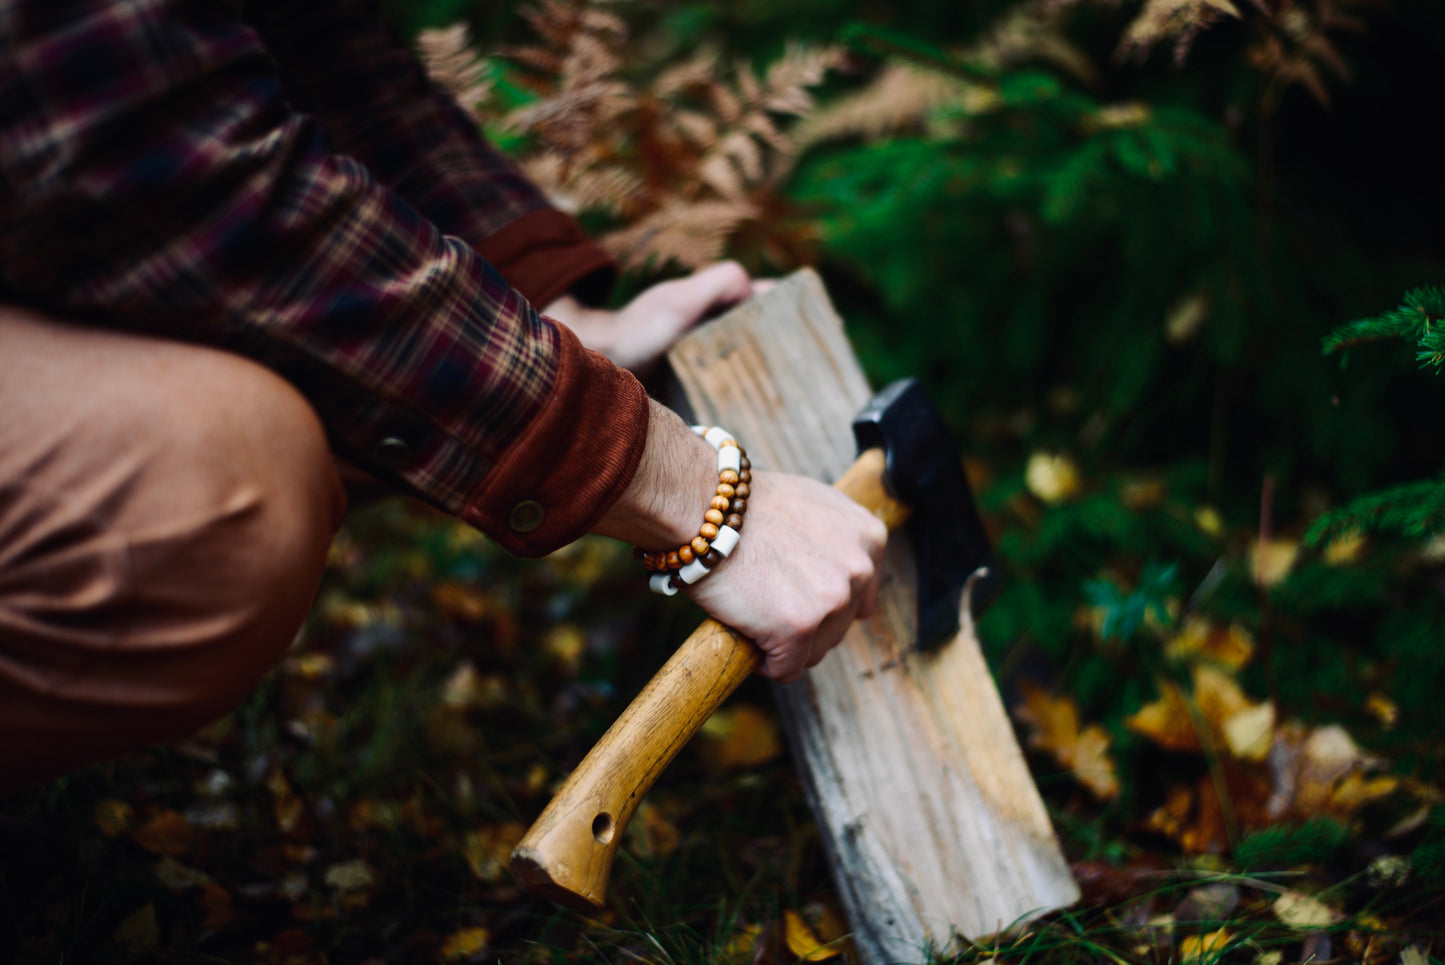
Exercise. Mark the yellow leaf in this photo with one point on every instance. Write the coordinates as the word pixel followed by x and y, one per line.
pixel 739 949
pixel 1186 316
pixel 310 666
pixel 1204 948
pixel 1271 560
pixel 567 645
pixel 1383 709
pixel 113 817
pixel 466 943
pixel 801 940
pixel 1052 478
pixel 1200 639
pixel 351 876
pixel 1345 549
pixel 1168 721
pixel 1302 912
pixel 1249 733
pixel 1209 521
pixel 488 850
pixel 1055 723
pixel 1414 955
pixel 740 737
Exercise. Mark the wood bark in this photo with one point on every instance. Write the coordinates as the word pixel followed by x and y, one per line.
pixel 929 816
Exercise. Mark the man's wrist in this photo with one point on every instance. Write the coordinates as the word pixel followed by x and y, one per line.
pixel 671 486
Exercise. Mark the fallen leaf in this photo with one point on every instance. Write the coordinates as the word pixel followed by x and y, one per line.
pixel 1052 478
pixel 740 737
pixel 1198 639
pixel 466 943
pixel 113 817
pixel 1209 521
pixel 1168 722
pixel 1186 316
pixel 354 875
pixel 287 808
pixel 1206 947
pixel 742 946
pixel 1346 548
pixel 660 835
pixel 1414 955
pixel 140 930
pixel 179 877
pixel 1300 911
pixel 1055 724
pixel 802 942
pixel 1385 711
pixel 1249 733
pixel 1270 561
pixel 217 908
pixel 166 832
pixel 488 850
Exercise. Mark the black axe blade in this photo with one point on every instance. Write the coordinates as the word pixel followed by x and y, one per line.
pixel 925 472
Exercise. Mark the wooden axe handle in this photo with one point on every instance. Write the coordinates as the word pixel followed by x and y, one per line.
pixel 567 854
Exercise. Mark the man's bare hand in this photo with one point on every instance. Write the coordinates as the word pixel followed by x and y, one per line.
pixel 637 335
pixel 807 564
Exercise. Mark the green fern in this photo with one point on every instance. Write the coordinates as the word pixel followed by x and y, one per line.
pixel 1316 840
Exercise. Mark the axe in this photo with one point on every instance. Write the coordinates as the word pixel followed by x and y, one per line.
pixel 908 473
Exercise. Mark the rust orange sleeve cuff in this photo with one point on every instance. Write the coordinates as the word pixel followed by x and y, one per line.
pixel 573 460
pixel 544 255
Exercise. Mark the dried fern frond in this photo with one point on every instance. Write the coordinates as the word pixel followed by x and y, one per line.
pixel 610 189
pixel 1296 42
pixel 899 99
pixel 1177 21
pixel 688 234
pixel 453 66
pixel 680 164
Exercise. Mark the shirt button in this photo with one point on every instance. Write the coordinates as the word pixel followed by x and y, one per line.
pixel 526 516
pixel 391 452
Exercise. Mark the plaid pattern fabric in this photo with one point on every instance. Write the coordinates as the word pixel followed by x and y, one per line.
pixel 278 179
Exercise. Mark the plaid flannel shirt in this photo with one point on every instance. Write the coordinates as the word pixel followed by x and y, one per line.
pixel 280 180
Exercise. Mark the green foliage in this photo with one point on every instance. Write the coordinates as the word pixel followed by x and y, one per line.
pixel 1286 846
pixel 1124 615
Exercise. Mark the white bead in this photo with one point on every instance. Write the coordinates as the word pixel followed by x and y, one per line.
pixel 692 572
pixel 717 436
pixel 699 430
pixel 725 540
pixel 729 457
pixel 662 583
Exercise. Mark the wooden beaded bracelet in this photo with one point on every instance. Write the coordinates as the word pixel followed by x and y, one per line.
pixel 722 523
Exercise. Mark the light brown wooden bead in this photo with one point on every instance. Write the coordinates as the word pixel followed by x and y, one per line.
pixel 724 489
pixel 721 503
pixel 686 555
pixel 714 516
pixel 700 546
pixel 707 531
pixel 735 521
pixel 673 560
pixel 728 476
pixel 743 490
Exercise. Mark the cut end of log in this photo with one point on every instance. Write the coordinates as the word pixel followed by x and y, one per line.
pixel 531 872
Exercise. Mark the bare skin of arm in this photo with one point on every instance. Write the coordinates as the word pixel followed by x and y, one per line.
pixel 807 564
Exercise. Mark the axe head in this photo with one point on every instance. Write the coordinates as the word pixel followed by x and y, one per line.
pixel 925 473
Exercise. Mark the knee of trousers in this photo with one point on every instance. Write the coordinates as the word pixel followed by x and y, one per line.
pixel 147 597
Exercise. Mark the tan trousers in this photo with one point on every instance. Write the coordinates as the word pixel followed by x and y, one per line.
pixel 165 512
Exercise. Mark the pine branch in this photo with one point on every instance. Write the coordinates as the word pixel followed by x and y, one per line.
pixel 1417 318
pixel 1415 510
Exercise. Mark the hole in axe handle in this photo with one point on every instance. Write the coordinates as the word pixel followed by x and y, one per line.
pixel 602 828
